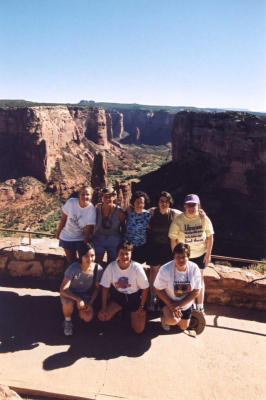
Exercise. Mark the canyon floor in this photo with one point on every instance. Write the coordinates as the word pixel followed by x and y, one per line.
pixel 227 361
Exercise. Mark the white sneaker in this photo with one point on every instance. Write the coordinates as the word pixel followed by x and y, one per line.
pixel 165 327
pixel 68 328
pixel 201 309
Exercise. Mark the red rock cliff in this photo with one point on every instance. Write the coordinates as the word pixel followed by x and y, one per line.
pixel 32 138
pixel 236 139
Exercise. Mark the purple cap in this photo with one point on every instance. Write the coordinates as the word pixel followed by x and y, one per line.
pixel 192 198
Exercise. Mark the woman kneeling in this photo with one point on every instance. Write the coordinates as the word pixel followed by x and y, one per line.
pixel 128 286
pixel 80 286
pixel 177 284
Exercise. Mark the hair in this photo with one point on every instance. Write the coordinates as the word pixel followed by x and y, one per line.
pixel 125 246
pixel 182 248
pixel 139 194
pixel 85 187
pixel 85 247
pixel 168 196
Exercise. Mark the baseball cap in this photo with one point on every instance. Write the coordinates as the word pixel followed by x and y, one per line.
pixel 192 198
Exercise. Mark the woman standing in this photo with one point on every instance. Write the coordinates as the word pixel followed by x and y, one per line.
pixel 76 224
pixel 109 224
pixel 80 287
pixel 197 231
pixel 159 247
pixel 137 221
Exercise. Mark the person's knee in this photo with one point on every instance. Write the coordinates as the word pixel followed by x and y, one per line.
pixel 138 329
pixel 86 316
pixel 101 316
pixel 183 324
pixel 67 306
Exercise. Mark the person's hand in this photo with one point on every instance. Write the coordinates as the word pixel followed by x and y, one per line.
pixel 171 307
pixel 103 314
pixel 175 309
pixel 81 304
pixel 207 259
pixel 177 312
pixel 88 307
pixel 57 235
pixel 202 213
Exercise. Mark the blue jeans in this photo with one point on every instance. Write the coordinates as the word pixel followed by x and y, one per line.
pixel 106 243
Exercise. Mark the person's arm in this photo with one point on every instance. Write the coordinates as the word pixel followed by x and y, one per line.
pixel 105 291
pixel 144 294
pixel 174 242
pixel 66 292
pixel 122 219
pixel 61 225
pixel 190 297
pixel 95 293
pixel 168 302
pixel 88 230
pixel 175 212
pixel 209 244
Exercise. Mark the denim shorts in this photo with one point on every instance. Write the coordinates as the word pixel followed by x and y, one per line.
pixel 68 245
pixel 106 243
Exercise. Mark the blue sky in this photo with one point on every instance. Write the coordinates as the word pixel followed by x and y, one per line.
pixel 205 53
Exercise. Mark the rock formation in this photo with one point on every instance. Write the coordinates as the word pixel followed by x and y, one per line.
pixel 124 193
pixel 117 123
pixel 220 156
pixel 34 139
pixel 91 122
pixel 99 171
pixel 238 140
pixel 147 127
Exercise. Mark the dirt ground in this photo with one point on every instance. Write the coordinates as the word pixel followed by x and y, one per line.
pixel 108 361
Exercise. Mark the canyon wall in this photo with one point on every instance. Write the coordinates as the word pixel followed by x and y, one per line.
pixel 220 156
pixel 32 138
pixel 238 140
pixel 147 127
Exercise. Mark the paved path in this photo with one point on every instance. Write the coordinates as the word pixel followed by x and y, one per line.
pixel 101 362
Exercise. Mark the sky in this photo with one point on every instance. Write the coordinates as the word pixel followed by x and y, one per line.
pixel 202 53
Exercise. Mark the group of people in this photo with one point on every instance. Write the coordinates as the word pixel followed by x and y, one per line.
pixel 175 245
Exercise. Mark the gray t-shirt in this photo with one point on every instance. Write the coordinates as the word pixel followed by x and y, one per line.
pixel 81 282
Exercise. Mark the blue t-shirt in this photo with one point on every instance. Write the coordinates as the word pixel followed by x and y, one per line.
pixel 136 227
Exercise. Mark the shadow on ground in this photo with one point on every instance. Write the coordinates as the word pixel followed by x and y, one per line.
pixel 26 321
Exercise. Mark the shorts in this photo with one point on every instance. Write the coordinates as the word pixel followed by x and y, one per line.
pixel 71 245
pixel 129 302
pixel 139 253
pixel 106 243
pixel 185 314
pixel 158 254
pixel 85 297
pixel 199 261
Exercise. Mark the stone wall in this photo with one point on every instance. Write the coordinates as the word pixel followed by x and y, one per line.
pixel 44 262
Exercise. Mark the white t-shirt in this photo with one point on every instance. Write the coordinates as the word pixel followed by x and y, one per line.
pixel 128 280
pixel 177 284
pixel 77 218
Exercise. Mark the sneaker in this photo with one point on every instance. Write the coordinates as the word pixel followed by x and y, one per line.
pixel 68 328
pixel 201 309
pixel 165 327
